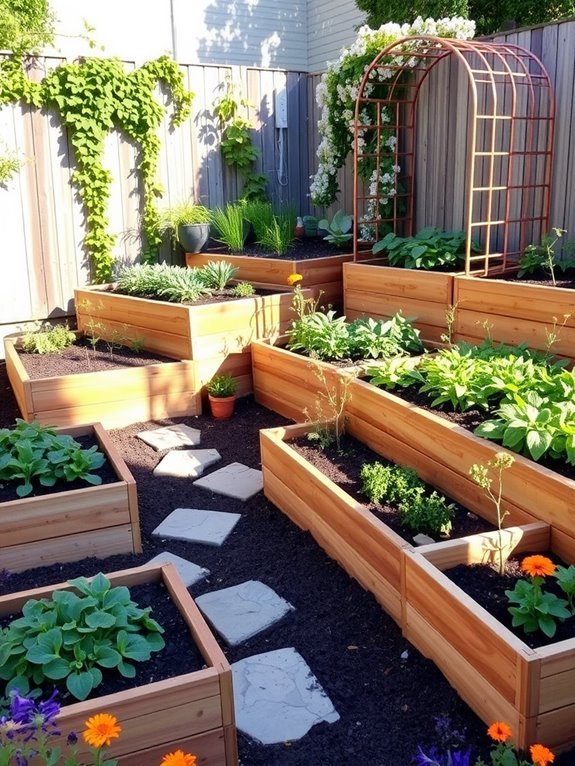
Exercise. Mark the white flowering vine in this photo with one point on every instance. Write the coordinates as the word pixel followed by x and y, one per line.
pixel 337 92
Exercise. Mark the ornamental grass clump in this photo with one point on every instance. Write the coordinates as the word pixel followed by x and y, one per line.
pixel 175 283
pixel 452 750
pixel 75 635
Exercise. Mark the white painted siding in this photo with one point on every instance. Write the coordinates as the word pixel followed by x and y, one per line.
pixel 331 26
pixel 264 33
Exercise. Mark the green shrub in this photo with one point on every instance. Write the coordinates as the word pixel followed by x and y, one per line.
pixel 427 514
pixel 393 483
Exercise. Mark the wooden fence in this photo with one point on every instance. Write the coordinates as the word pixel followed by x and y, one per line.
pixel 42 257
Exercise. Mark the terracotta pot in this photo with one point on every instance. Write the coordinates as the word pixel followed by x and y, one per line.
pixel 222 407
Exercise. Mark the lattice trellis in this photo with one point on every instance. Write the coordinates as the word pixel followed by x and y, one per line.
pixel 506 147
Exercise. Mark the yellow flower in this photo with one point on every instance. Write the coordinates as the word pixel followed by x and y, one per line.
pixel 499 732
pixel 537 566
pixel 541 755
pixel 179 758
pixel 101 729
pixel 293 279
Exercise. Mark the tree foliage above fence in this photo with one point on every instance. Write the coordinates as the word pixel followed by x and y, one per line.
pixel 489 17
pixel 26 26
pixel 93 97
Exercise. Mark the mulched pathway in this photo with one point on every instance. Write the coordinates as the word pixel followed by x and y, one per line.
pixel 388 700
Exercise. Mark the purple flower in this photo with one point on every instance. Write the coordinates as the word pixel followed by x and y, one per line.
pixel 435 758
pixel 34 717
pixel 72 738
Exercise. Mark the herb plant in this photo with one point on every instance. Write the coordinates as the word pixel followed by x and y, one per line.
pixel 174 283
pixel 48 339
pixel 222 385
pixel 71 636
pixel 429 249
pixel 429 514
pixel 31 453
pixel 278 235
pixel 243 290
pixel 260 215
pixel 216 274
pixel 338 229
pixel 393 483
pixel 323 336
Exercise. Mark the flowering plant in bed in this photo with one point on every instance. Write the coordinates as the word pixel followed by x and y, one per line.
pixel 503 751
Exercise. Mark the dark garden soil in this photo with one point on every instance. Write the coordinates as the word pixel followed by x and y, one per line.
pixel 542 279
pixel 343 468
pixel 386 693
pixel 484 584
pixel 302 249
pixel 85 356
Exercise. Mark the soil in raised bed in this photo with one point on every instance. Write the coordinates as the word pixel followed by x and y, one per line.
pixel 306 248
pixel 487 586
pixel 84 356
pixel 386 693
pixel 541 278
pixel 344 466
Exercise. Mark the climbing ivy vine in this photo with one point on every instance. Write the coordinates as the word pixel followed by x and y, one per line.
pixel 93 97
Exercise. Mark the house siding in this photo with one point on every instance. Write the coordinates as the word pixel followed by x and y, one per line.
pixel 261 33
pixel 330 27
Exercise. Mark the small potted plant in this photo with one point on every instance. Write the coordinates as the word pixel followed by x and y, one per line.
pixel 222 395
pixel 189 224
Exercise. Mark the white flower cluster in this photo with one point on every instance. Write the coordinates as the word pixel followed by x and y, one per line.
pixel 338 90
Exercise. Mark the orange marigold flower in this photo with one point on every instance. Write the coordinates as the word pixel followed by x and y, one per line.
pixel 537 566
pixel 101 729
pixel 540 755
pixel 179 758
pixel 293 279
pixel 499 732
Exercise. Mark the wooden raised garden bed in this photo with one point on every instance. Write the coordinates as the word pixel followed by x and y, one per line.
pixel 439 450
pixel 515 312
pixel 114 398
pixel 217 336
pixel 364 546
pixel 379 291
pixel 322 275
pixel 192 712
pixel 73 524
pixel 497 674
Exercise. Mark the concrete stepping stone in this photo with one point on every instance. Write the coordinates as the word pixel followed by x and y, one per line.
pixel 197 526
pixel 189 572
pixel 186 463
pixel 170 437
pixel 242 611
pixel 277 698
pixel 233 480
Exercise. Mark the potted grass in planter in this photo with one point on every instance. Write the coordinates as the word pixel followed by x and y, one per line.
pixel 277 254
pixel 126 392
pixel 192 711
pixel 415 276
pixel 520 310
pixel 89 518
pixel 193 315
pixel 498 674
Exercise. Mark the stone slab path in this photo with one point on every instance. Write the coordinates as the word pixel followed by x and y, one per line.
pixel 197 526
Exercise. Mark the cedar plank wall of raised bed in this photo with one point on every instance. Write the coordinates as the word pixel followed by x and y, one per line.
pixel 380 291
pixel 514 313
pixel 495 672
pixel 115 398
pixel 194 712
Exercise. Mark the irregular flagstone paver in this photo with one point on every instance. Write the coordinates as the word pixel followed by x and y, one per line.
pixel 277 698
pixel 186 463
pixel 242 611
pixel 170 437
pixel 189 572
pixel 234 480
pixel 197 526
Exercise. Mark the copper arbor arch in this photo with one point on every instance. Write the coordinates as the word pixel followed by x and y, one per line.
pixel 507 150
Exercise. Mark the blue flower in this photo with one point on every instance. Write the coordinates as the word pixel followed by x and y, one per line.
pixel 34 717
